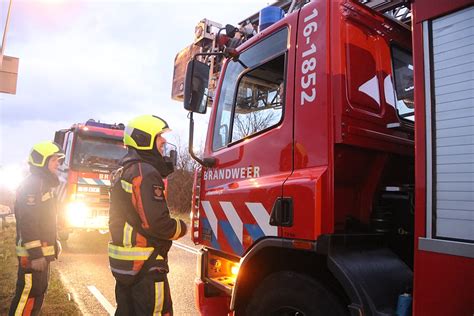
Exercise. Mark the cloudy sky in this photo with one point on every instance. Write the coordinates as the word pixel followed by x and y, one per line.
pixel 109 60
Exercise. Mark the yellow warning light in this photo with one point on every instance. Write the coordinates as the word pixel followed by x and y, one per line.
pixel 235 270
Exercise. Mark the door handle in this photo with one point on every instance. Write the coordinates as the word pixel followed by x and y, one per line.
pixel 282 212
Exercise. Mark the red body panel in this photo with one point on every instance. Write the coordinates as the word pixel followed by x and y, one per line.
pixel 443 283
pixel 330 103
pixel 216 306
pixel 310 183
pixel 424 9
pixel 362 79
pixel 333 150
pixel 308 188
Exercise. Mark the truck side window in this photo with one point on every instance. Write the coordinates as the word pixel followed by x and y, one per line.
pixel 261 69
pixel 403 75
pixel 259 101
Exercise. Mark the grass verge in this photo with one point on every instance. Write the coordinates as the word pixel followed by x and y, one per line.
pixel 56 301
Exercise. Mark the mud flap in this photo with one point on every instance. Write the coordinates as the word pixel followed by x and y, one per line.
pixel 371 274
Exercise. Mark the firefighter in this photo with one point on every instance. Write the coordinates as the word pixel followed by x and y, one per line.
pixel 35 213
pixel 140 224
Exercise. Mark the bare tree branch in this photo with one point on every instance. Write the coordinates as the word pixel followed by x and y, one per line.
pixel 250 123
pixel 180 182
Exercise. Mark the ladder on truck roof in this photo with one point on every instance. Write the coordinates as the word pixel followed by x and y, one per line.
pixel 398 10
pixel 206 33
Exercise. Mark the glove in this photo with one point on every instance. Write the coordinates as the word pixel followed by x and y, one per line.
pixel 39 264
pixel 59 248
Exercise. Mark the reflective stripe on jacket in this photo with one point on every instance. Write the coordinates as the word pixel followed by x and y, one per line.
pixel 139 220
pixel 35 213
pixel 46 251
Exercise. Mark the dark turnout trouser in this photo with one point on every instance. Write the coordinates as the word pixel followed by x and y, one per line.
pixel 149 295
pixel 31 287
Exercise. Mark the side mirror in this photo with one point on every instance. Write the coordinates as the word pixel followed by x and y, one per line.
pixel 59 137
pixel 195 86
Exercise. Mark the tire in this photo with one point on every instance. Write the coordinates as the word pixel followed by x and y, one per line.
pixel 289 293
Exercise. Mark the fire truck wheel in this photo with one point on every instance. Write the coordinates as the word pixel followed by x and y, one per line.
pixel 63 235
pixel 289 293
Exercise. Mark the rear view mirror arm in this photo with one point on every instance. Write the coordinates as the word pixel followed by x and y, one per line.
pixel 206 162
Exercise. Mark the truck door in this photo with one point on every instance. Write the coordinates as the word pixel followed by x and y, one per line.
pixel 251 137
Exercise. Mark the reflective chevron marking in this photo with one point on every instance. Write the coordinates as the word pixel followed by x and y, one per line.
pixel 231 237
pixel 233 218
pixel 93 181
pixel 232 226
pixel 254 231
pixel 211 216
pixel 206 226
pixel 262 218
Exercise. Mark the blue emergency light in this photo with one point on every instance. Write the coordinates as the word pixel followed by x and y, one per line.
pixel 269 16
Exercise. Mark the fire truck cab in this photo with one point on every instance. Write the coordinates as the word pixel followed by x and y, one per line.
pixel 305 202
pixel 93 149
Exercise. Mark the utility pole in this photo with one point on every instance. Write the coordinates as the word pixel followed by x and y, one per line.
pixel 8 65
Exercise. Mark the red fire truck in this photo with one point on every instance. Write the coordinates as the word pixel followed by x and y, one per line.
pixel 305 202
pixel 93 150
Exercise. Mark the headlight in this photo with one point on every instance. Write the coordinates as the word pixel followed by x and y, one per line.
pixel 77 212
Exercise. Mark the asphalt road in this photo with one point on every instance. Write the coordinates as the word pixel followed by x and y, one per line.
pixel 83 267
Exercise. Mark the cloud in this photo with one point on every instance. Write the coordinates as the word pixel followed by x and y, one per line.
pixel 17 138
pixel 107 60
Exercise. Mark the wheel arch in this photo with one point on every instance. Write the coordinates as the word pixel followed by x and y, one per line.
pixel 271 255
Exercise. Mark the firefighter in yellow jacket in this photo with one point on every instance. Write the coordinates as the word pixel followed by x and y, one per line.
pixel 35 213
pixel 140 224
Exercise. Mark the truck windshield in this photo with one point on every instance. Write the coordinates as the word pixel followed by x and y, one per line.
pixel 95 152
pixel 403 74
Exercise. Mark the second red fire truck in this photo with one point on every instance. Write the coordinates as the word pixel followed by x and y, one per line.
pixel 305 202
pixel 93 149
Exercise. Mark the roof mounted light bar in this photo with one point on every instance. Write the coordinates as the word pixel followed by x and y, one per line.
pixel 286 5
